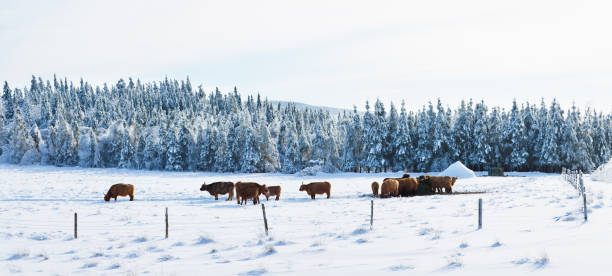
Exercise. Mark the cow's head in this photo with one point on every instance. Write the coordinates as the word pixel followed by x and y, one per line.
pixel 264 189
pixel 107 197
pixel 406 175
pixel 453 181
pixel 204 187
pixel 303 187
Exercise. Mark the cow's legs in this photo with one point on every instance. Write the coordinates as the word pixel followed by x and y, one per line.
pixel 230 195
pixel 328 194
pixel 131 197
pixel 216 196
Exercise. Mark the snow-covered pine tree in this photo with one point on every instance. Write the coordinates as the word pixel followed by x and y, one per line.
pixel 291 160
pixel 495 126
pixel 353 143
pixel 389 148
pixel 482 149
pixel 403 157
pixel 250 155
pixel 269 159
pixel 513 142
pixel 65 144
pixel 443 147
pixel 7 98
pixel 20 141
pixel 462 132
pixel 373 137
pixel 600 150
pixel 86 151
pixel 550 155
pixel 423 135
pixel 127 156
pixel 175 156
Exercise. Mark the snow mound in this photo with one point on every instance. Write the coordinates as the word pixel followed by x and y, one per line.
pixel 458 170
pixel 603 173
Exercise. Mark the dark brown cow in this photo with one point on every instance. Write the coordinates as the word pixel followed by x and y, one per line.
pixel 219 188
pixel 120 189
pixel 273 191
pixel 375 187
pixel 424 181
pixel 315 188
pixel 248 190
pixel 408 186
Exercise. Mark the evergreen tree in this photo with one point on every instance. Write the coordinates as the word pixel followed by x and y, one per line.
pixel 482 149
pixel 127 157
pixel 513 143
pixel 291 160
pixel 7 98
pixel 175 156
pixel 20 140
pixel 373 137
pixel 550 158
pixel 403 157
pixel 352 155
pixel 65 144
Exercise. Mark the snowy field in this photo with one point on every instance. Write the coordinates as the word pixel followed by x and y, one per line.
pixel 532 224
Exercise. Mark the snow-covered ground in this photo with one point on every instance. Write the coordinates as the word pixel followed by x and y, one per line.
pixel 532 223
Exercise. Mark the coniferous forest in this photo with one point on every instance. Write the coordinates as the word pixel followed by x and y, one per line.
pixel 170 125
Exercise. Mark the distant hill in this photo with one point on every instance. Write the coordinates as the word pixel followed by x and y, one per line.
pixel 332 110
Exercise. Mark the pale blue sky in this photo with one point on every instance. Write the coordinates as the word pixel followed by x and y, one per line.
pixel 334 54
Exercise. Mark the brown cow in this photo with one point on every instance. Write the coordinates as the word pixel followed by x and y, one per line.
pixel 439 182
pixel 247 190
pixel 375 186
pixel 315 188
pixel 389 188
pixel 408 186
pixel 120 189
pixel 273 191
pixel 219 188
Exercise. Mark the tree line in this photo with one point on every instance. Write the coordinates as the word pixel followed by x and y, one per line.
pixel 170 125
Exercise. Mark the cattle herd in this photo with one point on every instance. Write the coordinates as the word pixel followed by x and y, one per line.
pixel 391 187
pixel 410 186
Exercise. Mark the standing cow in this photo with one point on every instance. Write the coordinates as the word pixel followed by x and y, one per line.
pixel 315 188
pixel 389 188
pixel 375 187
pixel 248 190
pixel 442 182
pixel 219 188
pixel 273 191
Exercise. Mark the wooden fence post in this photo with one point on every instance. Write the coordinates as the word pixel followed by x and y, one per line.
pixel 166 222
pixel 263 208
pixel 480 213
pixel 371 214
pixel 584 202
pixel 75 226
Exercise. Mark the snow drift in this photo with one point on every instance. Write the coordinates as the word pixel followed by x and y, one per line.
pixel 458 170
pixel 603 173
